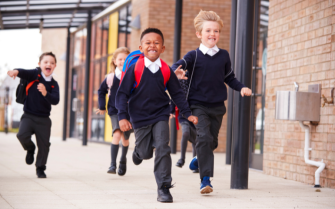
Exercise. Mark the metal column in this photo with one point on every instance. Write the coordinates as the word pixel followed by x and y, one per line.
pixel 67 71
pixel 87 74
pixel 231 91
pixel 241 112
pixel 176 57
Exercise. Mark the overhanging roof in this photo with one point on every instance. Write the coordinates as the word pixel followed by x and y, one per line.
pixel 18 14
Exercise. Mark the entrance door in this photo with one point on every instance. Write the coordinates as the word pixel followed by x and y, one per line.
pixel 258 84
pixel 77 102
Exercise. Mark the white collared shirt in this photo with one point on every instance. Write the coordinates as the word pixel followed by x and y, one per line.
pixel 118 73
pixel 210 51
pixel 49 78
pixel 153 66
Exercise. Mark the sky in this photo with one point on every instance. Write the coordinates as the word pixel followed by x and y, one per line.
pixel 19 49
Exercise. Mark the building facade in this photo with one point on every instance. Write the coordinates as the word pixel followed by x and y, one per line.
pixel 293 42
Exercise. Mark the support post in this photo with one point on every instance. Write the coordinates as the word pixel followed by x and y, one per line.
pixel 176 57
pixel 241 112
pixel 67 72
pixel 87 74
pixel 231 91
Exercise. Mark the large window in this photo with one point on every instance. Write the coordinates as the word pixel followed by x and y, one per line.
pixel 258 86
pixel 124 28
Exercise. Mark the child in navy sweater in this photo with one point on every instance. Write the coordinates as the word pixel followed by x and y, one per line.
pixel 210 69
pixel 149 109
pixel 109 86
pixel 43 93
pixel 188 129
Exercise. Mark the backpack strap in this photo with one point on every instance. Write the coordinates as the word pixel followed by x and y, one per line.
pixel 166 72
pixel 189 86
pixel 39 71
pixel 139 69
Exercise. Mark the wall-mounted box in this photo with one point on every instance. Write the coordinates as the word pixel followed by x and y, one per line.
pixel 299 106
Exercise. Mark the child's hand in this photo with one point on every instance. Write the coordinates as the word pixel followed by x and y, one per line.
pixel 193 119
pixel 180 73
pixel 41 88
pixel 172 116
pixel 100 112
pixel 13 73
pixel 246 92
pixel 125 125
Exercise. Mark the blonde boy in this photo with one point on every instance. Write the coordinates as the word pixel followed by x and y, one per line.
pixel 209 69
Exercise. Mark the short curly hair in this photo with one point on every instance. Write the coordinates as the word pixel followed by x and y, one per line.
pixel 204 16
pixel 152 30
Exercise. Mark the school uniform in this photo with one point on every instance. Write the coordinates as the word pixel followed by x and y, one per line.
pixel 35 119
pixel 211 69
pixel 188 134
pixel 149 114
pixel 111 109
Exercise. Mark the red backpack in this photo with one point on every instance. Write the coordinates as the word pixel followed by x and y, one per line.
pixel 138 58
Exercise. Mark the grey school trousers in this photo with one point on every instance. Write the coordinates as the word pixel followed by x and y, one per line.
pixel 208 127
pixel 41 127
pixel 155 136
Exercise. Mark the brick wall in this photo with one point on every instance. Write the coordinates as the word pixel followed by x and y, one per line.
pixel 301 48
pixel 161 13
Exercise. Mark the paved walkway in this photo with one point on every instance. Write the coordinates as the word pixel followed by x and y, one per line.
pixel 77 178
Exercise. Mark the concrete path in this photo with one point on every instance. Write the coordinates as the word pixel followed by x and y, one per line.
pixel 77 178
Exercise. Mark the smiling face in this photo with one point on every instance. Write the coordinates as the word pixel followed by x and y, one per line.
pixel 47 65
pixel 210 34
pixel 119 60
pixel 152 46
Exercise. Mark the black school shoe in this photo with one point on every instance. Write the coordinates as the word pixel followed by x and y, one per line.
pixel 122 168
pixel 164 194
pixel 136 160
pixel 40 172
pixel 196 171
pixel 30 156
pixel 112 169
pixel 180 163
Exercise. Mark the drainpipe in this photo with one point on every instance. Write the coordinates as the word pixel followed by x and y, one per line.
pixel 321 164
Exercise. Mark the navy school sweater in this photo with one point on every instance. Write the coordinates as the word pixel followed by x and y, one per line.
pixel 149 103
pixel 210 75
pixel 36 103
pixel 103 90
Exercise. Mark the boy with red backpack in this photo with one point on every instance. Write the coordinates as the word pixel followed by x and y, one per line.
pixel 143 88
pixel 42 91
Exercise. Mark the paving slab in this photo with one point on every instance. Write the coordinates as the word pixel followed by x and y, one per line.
pixel 77 178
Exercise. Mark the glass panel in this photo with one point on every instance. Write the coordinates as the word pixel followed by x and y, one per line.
pixel 105 36
pixel 79 47
pixel 98 39
pixel 260 76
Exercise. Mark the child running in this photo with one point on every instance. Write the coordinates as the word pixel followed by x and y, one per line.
pixel 188 128
pixel 210 69
pixel 43 91
pixel 110 85
pixel 149 108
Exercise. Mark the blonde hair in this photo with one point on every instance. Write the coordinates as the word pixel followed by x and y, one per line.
pixel 206 16
pixel 118 51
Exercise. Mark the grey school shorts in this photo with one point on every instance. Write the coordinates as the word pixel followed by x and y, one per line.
pixel 116 126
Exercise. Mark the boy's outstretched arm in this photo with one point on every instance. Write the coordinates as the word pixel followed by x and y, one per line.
pixel 28 75
pixel 186 63
pixel 233 83
pixel 179 99
pixel 122 97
